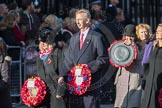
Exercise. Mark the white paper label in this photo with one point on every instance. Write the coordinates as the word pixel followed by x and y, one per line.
pixel 79 80
pixel 78 72
pixel 31 83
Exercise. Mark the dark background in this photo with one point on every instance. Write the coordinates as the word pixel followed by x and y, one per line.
pixel 139 11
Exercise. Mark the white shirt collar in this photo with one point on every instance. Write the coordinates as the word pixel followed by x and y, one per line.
pixel 85 33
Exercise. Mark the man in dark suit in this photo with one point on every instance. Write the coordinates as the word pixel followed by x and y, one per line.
pixel 92 52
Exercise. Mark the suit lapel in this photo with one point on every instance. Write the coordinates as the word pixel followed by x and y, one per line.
pixel 85 44
pixel 77 47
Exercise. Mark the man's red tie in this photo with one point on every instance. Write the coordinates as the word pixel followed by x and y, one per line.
pixel 81 40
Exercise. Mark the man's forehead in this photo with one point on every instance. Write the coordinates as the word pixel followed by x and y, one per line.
pixel 81 15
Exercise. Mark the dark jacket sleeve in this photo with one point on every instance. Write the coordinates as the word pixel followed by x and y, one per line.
pixel 67 62
pixel 102 55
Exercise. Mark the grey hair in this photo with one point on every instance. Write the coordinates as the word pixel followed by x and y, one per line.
pixel 84 11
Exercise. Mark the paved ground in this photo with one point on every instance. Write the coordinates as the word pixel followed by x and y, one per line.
pixel 107 106
pixel 102 106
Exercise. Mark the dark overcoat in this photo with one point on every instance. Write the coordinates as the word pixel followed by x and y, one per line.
pixel 48 70
pixel 94 54
pixel 153 80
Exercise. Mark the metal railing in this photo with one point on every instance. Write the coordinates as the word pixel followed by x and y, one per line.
pixel 16 75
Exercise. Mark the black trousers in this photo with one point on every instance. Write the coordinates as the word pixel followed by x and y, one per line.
pixel 75 101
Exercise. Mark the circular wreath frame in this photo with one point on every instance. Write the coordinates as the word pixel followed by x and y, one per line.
pixel 26 96
pixel 83 87
pixel 126 65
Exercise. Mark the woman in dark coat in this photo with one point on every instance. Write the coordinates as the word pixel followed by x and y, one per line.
pixel 48 69
pixel 154 77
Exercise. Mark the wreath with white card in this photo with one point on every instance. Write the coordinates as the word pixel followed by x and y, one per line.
pixel 33 91
pixel 79 79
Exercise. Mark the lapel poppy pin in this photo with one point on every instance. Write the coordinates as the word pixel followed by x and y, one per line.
pixel 49 61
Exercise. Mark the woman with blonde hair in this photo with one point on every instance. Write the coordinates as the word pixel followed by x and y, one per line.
pixel 143 32
pixel 144 36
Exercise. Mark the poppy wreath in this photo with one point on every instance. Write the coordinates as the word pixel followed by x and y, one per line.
pixel 121 55
pixel 79 79
pixel 33 91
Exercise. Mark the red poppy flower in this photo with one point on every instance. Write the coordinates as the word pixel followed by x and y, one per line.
pixel 49 61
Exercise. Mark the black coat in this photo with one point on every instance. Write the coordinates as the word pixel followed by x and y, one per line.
pixel 153 79
pixel 48 70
